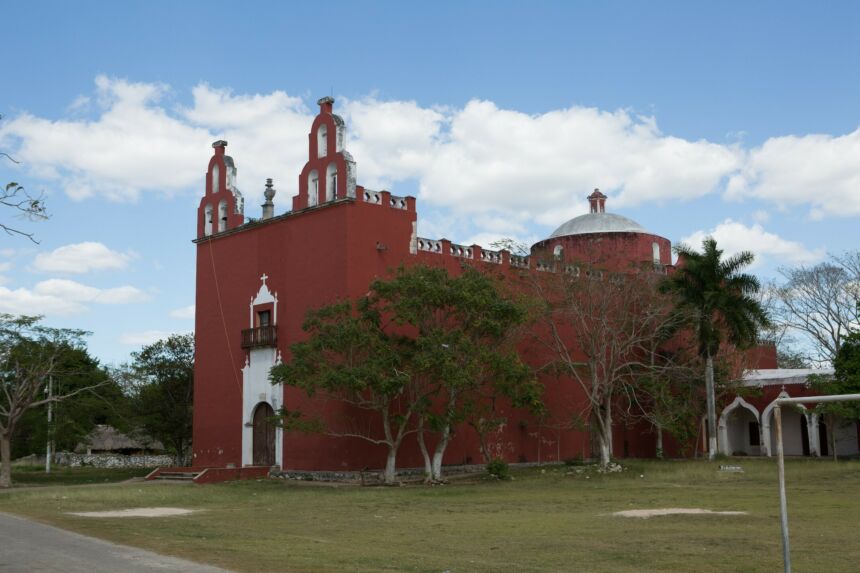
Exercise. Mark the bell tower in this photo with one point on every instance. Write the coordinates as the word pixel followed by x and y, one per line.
pixel 329 173
pixel 222 207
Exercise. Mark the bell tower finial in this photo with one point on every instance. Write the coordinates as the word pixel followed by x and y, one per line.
pixel 597 200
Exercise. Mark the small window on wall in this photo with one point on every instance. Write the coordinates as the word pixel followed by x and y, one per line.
pixel 264 318
pixel 755 438
pixel 655 252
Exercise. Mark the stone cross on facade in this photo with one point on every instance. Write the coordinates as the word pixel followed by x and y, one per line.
pixel 264 277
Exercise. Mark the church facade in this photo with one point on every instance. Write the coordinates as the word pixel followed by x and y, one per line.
pixel 256 279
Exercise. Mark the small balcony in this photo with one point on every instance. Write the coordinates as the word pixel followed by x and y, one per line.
pixel 260 336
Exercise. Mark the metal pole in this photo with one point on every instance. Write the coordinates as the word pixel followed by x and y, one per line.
pixel 49 453
pixel 777 415
pixel 783 505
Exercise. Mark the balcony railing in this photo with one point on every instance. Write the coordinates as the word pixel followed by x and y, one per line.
pixel 260 336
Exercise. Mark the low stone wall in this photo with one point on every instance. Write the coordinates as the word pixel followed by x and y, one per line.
pixel 111 460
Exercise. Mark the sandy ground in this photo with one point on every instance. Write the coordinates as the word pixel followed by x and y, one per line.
pixel 645 513
pixel 137 512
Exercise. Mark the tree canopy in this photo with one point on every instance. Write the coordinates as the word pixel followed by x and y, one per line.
pixel 721 305
pixel 421 350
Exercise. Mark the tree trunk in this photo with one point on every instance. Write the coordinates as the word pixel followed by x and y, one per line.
pixel 712 408
pixel 390 466
pixel 428 465
pixel 603 444
pixel 439 452
pixel 659 441
pixel 5 460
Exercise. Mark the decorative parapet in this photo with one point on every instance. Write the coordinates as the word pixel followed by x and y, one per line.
pixel 386 199
pixel 461 251
pixel 399 202
pixel 374 197
pixel 429 245
pixel 520 261
pixel 544 266
pixel 491 256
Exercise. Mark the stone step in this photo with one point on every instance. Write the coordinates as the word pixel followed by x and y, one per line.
pixel 183 476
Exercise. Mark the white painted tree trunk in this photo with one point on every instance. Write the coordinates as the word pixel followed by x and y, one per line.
pixel 604 436
pixel 5 460
pixel 659 442
pixel 439 452
pixel 712 408
pixel 390 466
pixel 428 465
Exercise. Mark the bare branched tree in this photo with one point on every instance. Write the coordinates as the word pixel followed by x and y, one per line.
pixel 822 303
pixel 22 203
pixel 29 356
pixel 601 328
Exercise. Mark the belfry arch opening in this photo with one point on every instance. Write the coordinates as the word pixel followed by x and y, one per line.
pixel 313 188
pixel 322 140
pixel 331 182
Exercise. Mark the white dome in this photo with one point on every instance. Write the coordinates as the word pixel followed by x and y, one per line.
pixel 598 223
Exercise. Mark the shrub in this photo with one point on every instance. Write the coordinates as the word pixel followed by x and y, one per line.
pixel 498 468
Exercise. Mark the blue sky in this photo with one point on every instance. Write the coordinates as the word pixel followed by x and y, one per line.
pixel 737 119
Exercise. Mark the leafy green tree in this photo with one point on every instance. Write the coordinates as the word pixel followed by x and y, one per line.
pixel 160 381
pixel 350 356
pixel 102 402
pixel 30 354
pixel 421 350
pixel 463 331
pixel 722 306
pixel 845 380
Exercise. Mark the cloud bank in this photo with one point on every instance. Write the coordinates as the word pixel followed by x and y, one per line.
pixel 478 159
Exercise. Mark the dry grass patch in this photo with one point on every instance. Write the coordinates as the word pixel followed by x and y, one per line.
pixel 540 521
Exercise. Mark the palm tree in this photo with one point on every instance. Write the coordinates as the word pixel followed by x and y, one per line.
pixel 719 300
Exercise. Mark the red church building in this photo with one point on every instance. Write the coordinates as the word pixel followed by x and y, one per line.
pixel 256 279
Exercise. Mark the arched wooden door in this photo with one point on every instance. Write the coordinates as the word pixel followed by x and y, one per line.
pixel 264 435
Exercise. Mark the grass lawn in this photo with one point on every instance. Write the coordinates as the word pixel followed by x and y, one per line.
pixel 35 475
pixel 544 520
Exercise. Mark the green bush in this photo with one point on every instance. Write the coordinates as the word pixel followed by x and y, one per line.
pixel 498 468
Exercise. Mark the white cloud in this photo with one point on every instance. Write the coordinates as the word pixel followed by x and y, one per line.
pixel 477 159
pixel 133 146
pixel 145 337
pixel 184 312
pixel 821 171
pixel 81 258
pixel 63 297
pixel 4 267
pixel 733 237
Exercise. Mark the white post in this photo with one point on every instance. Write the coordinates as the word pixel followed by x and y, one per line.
pixel 49 452
pixel 777 416
pixel 783 505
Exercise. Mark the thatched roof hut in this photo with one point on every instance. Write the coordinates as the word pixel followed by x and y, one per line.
pixel 106 439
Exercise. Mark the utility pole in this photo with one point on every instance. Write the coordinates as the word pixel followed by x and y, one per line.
pixel 50 425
